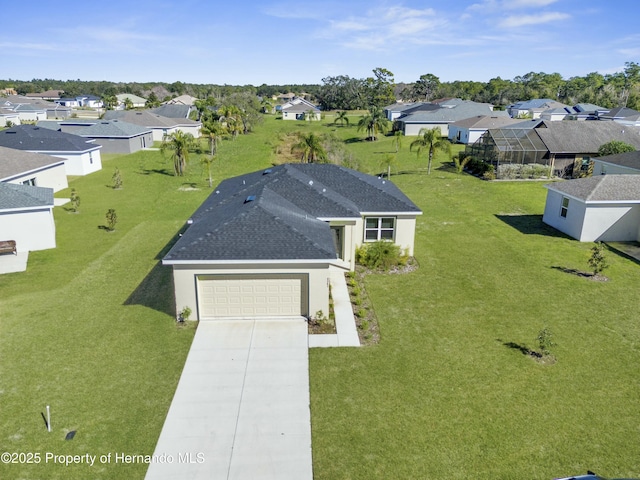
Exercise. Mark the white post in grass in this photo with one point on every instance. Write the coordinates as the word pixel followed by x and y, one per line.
pixel 48 419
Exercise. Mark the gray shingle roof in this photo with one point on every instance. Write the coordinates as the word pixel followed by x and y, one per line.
pixel 275 214
pixel 147 119
pixel 584 137
pixel 112 128
pixel 602 188
pixel 446 114
pixel 173 110
pixel 24 196
pixel 500 119
pixel 37 139
pixel 626 159
pixel 15 162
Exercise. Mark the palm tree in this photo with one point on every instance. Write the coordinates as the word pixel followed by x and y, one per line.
pixel 180 143
pixel 430 140
pixel 311 147
pixel 341 117
pixel 374 122
pixel 214 131
pixel 207 162
pixel 397 139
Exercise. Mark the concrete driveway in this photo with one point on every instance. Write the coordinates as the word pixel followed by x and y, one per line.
pixel 241 409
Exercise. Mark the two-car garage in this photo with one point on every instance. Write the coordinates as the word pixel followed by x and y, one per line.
pixel 266 295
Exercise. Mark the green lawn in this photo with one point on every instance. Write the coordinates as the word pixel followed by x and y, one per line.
pixel 89 330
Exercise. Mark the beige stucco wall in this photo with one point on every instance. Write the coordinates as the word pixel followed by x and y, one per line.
pixel 185 279
pixel 404 235
pixel 31 229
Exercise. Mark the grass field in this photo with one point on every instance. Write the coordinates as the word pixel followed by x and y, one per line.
pixel 447 393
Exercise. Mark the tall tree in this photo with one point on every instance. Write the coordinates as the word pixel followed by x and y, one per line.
pixel 429 140
pixel 180 144
pixel 425 87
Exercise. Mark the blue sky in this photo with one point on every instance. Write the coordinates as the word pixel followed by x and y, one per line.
pixel 282 42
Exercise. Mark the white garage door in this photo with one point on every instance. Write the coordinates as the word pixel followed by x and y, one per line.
pixel 250 296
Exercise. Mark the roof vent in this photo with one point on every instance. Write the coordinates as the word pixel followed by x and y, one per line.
pixel 250 198
pixel 267 171
pixel 310 182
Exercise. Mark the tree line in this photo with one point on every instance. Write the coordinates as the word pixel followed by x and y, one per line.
pixel 342 92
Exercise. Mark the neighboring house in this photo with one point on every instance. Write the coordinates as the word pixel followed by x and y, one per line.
pixel 263 243
pixel 555 114
pixel 90 101
pixel 81 156
pixel 621 163
pixel 26 216
pixel 159 125
pixel 174 110
pixel 8 117
pixel 181 100
pixel 116 136
pixel 630 121
pixel 433 115
pixel 30 112
pixel 533 108
pixel 48 95
pixel 565 147
pixel 136 101
pixel 586 111
pixel 394 111
pixel 600 208
pixel 471 129
pixel 618 113
pixel 301 111
pixel 27 168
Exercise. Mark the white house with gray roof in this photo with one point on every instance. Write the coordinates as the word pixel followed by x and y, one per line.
pixel 159 125
pixel 27 168
pixel 600 208
pixel 26 216
pixel 471 129
pixel 115 136
pixel 440 116
pixel 263 244
pixel 621 163
pixel 82 156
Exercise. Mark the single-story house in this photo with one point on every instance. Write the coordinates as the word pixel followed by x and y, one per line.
pixel 600 208
pixel 174 110
pixel 26 216
pixel 30 112
pixel 391 112
pixel 82 156
pixel 136 101
pixel 8 117
pixel 565 147
pixel 533 108
pixel 181 100
pixel 262 244
pixel 301 111
pixel 115 136
pixel 618 113
pixel 621 163
pixel 159 125
pixel 471 129
pixel 48 95
pixel 441 116
pixel 27 168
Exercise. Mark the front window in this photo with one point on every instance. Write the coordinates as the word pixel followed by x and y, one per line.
pixel 565 207
pixel 379 228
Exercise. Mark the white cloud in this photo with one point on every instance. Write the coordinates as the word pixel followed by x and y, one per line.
pixel 512 4
pixel 515 21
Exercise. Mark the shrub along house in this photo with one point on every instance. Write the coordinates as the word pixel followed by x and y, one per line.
pixel 263 243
